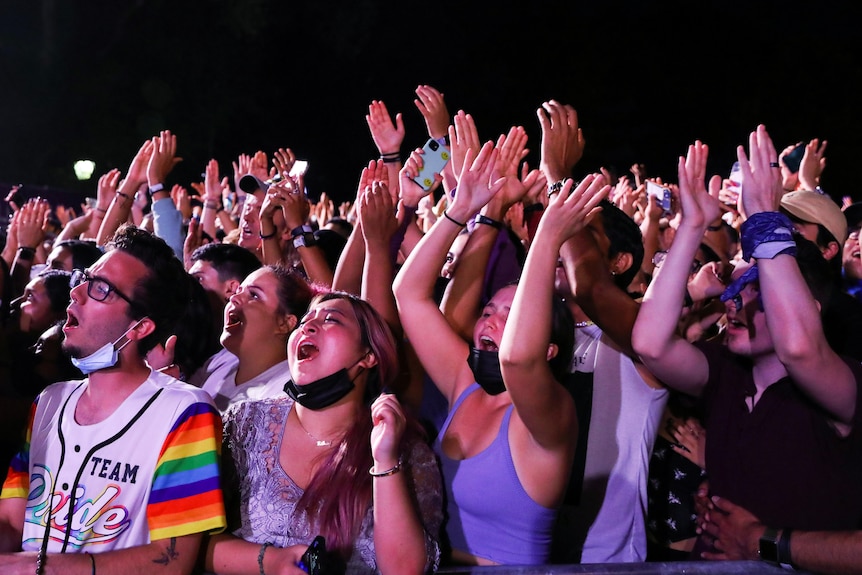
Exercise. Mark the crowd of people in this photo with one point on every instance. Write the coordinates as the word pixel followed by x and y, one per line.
pixel 486 364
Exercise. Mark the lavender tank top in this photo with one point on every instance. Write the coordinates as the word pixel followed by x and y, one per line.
pixel 489 513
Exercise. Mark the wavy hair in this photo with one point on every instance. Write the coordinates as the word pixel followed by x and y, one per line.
pixel 339 494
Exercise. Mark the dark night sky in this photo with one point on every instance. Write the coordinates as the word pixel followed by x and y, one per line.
pixel 94 78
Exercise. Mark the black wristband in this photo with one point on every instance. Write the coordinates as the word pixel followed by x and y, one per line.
pixel 26 253
pixel 267 236
pixel 395 160
pixel 480 219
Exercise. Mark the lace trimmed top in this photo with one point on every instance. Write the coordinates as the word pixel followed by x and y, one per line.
pixel 253 433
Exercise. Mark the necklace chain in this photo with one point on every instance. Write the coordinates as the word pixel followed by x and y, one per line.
pixel 583 323
pixel 318 442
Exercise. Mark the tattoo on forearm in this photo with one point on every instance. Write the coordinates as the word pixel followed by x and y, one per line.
pixel 170 553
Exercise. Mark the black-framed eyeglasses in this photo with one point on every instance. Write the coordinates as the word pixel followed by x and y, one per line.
pixel 97 288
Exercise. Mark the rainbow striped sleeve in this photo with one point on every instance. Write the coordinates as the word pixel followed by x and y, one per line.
pixel 186 496
pixel 17 482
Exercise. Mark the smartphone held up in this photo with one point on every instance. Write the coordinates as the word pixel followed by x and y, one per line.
pixel 662 195
pixel 434 158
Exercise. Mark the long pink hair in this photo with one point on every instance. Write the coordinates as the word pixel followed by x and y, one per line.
pixel 339 494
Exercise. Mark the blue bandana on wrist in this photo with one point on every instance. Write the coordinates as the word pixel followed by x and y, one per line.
pixel 766 235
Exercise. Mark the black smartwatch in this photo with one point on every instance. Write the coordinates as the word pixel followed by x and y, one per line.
pixel 767 548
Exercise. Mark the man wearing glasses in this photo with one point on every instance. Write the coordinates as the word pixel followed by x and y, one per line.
pixel 123 464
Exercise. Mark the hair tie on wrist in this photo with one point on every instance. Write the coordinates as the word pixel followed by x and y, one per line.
pixel 453 220
pixel 267 236
pixel 260 556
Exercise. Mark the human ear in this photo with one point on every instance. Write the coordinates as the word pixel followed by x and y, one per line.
pixel 622 262
pixel 286 324
pixel 369 360
pixel 831 250
pixel 553 350
pixel 230 288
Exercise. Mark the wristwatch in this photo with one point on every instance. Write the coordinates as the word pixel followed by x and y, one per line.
pixel 775 548
pixel 305 240
pixel 299 230
pixel 555 187
pixel 767 548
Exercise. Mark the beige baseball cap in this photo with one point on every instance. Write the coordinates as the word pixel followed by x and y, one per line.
pixel 816 208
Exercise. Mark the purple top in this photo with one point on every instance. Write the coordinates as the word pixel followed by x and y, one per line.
pixel 489 513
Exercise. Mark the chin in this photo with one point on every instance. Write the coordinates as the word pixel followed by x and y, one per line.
pixel 71 350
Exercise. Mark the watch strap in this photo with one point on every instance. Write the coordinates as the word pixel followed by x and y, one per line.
pixel 784 557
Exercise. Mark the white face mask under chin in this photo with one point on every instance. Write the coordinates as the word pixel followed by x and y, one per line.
pixel 104 357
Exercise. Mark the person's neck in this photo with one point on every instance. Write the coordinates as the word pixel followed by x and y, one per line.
pixel 108 388
pixel 327 424
pixel 253 362
pixel 767 369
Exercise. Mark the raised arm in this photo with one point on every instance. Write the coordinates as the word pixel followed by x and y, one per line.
pixel 441 350
pixel 121 203
pixel 212 199
pixel 668 356
pixel 348 272
pixel 432 106
pixel 388 137
pixel 30 234
pixel 463 299
pixel 792 313
pixel 105 192
pixel 545 407
pixel 378 223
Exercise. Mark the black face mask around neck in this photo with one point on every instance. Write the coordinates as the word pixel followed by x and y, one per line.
pixel 323 392
pixel 485 366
